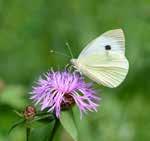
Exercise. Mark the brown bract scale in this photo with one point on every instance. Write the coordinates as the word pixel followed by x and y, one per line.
pixel 29 112
pixel 68 102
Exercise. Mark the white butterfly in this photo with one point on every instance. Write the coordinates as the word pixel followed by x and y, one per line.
pixel 103 60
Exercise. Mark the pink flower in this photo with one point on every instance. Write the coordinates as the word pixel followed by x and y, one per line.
pixel 57 90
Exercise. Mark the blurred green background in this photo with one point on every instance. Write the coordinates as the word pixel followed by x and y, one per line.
pixel 29 29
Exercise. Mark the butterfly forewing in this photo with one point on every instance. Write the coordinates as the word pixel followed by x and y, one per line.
pixel 113 38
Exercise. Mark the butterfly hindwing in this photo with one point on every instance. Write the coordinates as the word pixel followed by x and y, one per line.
pixel 108 74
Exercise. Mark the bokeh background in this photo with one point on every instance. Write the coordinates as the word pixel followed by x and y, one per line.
pixel 29 29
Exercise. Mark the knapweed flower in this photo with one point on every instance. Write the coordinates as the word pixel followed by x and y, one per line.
pixel 56 90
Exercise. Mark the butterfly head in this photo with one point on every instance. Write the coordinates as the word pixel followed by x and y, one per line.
pixel 73 61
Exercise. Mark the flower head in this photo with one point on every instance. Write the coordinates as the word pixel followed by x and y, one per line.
pixel 57 90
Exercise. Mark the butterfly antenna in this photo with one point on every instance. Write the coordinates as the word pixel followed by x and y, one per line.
pixel 69 48
pixel 59 53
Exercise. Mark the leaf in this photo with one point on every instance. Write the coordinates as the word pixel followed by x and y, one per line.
pixel 38 121
pixel 18 113
pixel 67 121
pixel 47 116
pixel 42 133
pixel 16 124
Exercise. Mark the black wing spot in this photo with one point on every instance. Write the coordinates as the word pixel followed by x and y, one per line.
pixel 107 47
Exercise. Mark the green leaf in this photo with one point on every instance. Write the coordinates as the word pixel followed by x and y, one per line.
pixel 42 133
pixel 67 121
pixel 38 121
pixel 47 116
pixel 18 113
pixel 21 121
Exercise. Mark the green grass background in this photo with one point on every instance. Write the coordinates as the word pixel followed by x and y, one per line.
pixel 29 29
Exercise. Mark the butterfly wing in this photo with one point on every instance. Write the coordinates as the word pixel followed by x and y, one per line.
pixel 106 67
pixel 109 72
pixel 115 38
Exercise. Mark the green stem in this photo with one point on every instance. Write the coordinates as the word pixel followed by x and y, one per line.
pixel 27 133
pixel 56 125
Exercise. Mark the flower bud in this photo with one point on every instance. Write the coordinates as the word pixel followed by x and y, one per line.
pixel 29 112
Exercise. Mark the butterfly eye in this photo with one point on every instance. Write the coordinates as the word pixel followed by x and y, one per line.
pixel 107 47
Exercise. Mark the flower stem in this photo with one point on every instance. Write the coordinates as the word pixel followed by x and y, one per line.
pixel 27 133
pixel 56 125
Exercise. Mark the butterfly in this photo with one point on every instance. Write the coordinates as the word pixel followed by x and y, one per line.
pixel 103 59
